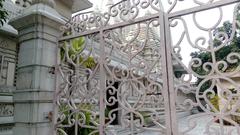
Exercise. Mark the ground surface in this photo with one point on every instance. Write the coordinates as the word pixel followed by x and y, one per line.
pixel 200 124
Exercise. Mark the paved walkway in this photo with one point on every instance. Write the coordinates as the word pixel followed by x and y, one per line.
pixel 199 122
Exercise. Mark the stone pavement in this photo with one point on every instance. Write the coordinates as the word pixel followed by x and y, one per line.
pixel 202 123
pixel 199 122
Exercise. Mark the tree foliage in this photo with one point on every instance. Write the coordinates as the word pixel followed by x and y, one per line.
pixel 3 13
pixel 221 54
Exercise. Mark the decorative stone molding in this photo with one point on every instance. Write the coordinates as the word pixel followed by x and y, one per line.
pixel 13 9
pixel 5 128
pixel 6 110
pixel 8 58
pixel 7 89
pixel 27 3
pixel 23 3
pixel 3 43
pixel 50 3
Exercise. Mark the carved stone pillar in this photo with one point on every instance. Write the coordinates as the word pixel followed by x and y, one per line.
pixel 38 29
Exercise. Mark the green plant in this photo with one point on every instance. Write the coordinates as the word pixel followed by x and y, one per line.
pixel 215 101
pixel 147 118
pixel 77 47
pixel 65 109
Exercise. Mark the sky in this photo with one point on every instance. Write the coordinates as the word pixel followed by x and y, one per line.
pixel 206 19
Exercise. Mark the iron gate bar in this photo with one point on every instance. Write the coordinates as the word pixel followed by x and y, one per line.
pixel 165 70
pixel 202 8
pixel 55 95
pixel 156 15
pixel 110 27
pixel 102 84
pixel 168 44
pixel 170 76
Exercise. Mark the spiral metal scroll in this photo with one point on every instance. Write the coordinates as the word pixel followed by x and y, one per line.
pixel 127 67
pixel 139 95
pixel 216 74
pixel 132 60
pixel 77 98
pixel 124 11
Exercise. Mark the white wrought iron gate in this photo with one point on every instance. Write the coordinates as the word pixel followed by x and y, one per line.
pixel 128 71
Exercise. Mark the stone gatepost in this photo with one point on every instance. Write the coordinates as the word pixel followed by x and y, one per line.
pixel 38 29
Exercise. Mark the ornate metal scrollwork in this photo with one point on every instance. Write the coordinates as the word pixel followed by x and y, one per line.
pixel 125 90
pixel 215 73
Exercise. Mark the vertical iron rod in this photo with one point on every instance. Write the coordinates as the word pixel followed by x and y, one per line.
pixel 165 73
pixel 102 84
pixel 170 76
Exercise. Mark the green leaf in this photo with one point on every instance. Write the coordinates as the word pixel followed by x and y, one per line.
pixel 76 47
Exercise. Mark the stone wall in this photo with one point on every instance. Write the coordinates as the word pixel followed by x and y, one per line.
pixel 8 58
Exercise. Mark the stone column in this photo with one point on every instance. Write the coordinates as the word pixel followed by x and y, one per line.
pixel 38 29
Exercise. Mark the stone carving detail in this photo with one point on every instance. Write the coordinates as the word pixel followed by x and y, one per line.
pixel 7 89
pixel 7 65
pixel 27 3
pixel 3 43
pixel 4 129
pixel 6 110
pixel 24 3
pixel 47 2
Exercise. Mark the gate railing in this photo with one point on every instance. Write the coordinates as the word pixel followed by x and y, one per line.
pixel 113 65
